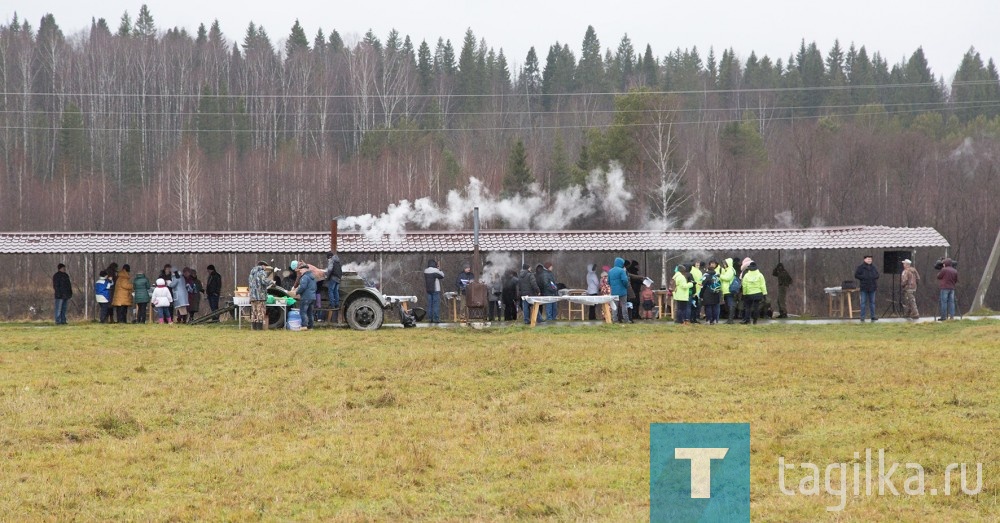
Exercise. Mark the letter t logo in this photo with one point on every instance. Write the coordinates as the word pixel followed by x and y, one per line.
pixel 701 468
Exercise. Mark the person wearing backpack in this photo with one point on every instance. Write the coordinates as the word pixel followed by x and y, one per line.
pixel 711 294
pixel 726 276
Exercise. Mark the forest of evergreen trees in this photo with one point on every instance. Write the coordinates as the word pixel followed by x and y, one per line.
pixel 131 126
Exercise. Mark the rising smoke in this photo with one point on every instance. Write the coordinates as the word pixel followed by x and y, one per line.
pixel 603 193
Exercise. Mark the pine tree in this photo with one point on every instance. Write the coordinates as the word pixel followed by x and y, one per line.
pixel 531 80
pixel 125 26
pixel 518 178
pixel 336 42
pixel 425 69
pixel 590 70
pixel 624 64
pixel 319 41
pixel 561 171
pixel 557 77
pixel 924 96
pixel 144 26
pixel 836 78
pixel 202 36
pixel 712 69
pixel 650 68
pixel 468 74
pixel 502 76
pixel 297 41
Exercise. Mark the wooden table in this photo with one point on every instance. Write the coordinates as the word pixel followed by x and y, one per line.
pixel 537 302
pixel 840 302
pixel 662 300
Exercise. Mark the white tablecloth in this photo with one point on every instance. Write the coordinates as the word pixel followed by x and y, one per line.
pixel 583 300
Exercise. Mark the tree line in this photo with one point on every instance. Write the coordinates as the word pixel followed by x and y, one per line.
pixel 144 128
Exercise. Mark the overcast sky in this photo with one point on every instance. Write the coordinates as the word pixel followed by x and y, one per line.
pixel 774 27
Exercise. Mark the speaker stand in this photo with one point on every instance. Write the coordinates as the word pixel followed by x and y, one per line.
pixel 896 303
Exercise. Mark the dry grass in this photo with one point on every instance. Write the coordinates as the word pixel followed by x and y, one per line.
pixel 159 423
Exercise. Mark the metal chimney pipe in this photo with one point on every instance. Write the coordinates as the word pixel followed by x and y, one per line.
pixel 476 262
pixel 333 235
pixel 475 227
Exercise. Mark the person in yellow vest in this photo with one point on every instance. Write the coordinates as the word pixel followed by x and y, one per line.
pixel 754 292
pixel 726 275
pixel 682 294
pixel 696 275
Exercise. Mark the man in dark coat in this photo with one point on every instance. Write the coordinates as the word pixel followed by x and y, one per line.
pixel 635 285
pixel 213 289
pixel 549 287
pixel 509 295
pixel 63 292
pixel 784 281
pixel 527 285
pixel 867 275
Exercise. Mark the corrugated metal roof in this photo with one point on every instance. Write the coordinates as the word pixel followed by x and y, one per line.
pixel 856 237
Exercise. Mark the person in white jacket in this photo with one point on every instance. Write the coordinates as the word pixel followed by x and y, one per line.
pixel 161 300
pixel 593 289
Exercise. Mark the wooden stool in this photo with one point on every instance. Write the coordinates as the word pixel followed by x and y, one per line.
pixel 573 308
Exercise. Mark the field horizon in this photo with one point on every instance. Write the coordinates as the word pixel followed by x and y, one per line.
pixel 160 423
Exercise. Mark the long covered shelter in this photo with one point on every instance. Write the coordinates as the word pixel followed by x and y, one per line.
pixel 87 244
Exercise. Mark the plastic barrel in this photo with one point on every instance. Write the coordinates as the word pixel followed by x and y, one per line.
pixel 294 320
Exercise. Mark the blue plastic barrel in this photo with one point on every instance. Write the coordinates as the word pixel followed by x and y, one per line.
pixel 294 320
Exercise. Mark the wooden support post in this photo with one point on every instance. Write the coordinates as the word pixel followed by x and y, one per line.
pixel 984 282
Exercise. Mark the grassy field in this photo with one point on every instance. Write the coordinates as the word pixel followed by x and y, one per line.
pixel 195 423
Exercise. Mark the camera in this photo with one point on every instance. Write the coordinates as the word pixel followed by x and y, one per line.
pixel 939 264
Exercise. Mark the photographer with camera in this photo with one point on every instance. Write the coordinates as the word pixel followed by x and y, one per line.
pixel 947 280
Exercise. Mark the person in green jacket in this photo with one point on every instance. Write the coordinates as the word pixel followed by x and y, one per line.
pixel 754 291
pixel 697 275
pixel 682 291
pixel 726 275
pixel 142 294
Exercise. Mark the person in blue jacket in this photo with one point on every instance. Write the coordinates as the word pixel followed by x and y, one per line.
pixel 618 279
pixel 307 297
pixel 102 294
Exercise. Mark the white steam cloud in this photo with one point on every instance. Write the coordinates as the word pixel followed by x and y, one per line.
pixel 499 263
pixel 785 220
pixel 602 193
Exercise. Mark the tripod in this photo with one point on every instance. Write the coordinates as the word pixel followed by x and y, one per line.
pixel 896 305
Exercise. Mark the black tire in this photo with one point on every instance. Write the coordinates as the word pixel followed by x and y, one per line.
pixel 364 314
pixel 275 318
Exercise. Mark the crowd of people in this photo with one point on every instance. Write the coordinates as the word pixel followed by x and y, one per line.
pixel 121 297
pixel 301 280
pixel 730 290
pixel 699 291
